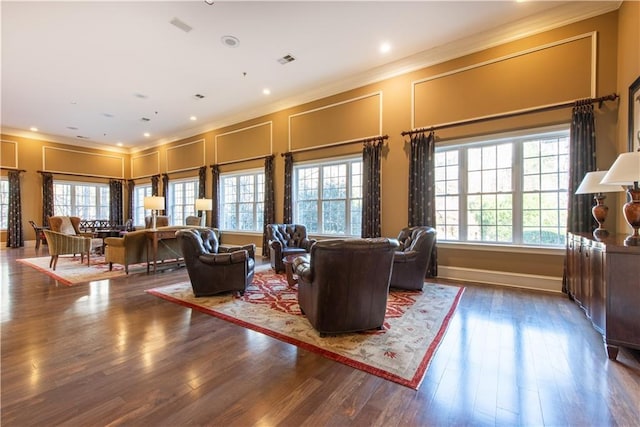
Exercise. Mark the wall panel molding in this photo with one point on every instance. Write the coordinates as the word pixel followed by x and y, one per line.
pixel 187 156
pixel 246 143
pixel 349 120
pixel 9 154
pixel 76 162
pixel 142 166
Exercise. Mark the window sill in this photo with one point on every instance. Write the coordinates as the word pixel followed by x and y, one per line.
pixel 540 250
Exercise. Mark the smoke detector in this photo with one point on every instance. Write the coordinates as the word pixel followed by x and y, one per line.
pixel 230 41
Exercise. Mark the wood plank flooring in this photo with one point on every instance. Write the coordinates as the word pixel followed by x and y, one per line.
pixel 107 353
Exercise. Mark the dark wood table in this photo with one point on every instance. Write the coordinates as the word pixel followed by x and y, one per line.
pixel 153 237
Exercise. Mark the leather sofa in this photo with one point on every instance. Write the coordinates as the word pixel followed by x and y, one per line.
pixel 284 240
pixel 411 260
pixel 213 268
pixel 343 284
pixel 131 248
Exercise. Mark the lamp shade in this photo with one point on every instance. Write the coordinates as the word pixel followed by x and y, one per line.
pixel 625 170
pixel 154 202
pixel 591 184
pixel 204 204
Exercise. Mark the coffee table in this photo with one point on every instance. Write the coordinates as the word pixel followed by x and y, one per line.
pixel 292 280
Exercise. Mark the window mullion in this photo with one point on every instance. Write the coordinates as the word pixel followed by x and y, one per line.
pixel 517 193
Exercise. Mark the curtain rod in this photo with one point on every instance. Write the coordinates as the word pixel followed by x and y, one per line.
pixel 338 144
pixel 81 175
pixel 12 169
pixel 230 162
pixel 611 97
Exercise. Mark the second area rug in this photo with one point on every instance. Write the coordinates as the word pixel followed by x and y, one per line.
pixel 414 326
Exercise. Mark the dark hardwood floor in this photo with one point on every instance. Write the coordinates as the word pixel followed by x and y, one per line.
pixel 107 353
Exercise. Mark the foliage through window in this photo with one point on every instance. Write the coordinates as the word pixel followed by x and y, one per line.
pixel 242 196
pixel 182 200
pixel 504 190
pixel 328 196
pixel 139 193
pixel 86 200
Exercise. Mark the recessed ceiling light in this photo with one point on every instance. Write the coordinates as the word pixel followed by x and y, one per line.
pixel 119 144
pixel 193 118
pixel 33 129
pixel 385 47
pixel 147 134
pixel 266 91
pixel 230 41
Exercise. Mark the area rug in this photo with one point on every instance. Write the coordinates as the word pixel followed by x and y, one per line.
pixel 70 271
pixel 415 324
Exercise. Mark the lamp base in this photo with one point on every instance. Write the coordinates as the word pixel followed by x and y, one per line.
pixel 631 212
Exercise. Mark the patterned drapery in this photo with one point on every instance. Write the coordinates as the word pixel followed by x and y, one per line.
pixel 131 185
pixel 202 182
pixel 155 181
pixel 269 202
pixel 582 159
pixel 47 197
pixel 116 203
pixel 371 155
pixel 165 192
pixel 15 233
pixel 422 206
pixel 287 215
pixel 215 205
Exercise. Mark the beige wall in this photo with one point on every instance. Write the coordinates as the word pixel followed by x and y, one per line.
pixel 542 69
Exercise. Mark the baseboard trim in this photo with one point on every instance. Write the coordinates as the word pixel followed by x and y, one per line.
pixel 502 278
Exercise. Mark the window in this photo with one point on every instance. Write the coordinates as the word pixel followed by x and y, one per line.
pixel 182 200
pixel 242 196
pixel 86 200
pixel 4 203
pixel 504 190
pixel 328 196
pixel 139 193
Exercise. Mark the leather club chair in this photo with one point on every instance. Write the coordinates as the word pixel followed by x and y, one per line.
pixel 287 239
pixel 213 268
pixel 343 285
pixel 412 258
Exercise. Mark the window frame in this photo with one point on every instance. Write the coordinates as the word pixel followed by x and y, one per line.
pixel 348 199
pixel 73 207
pixel 257 212
pixel 517 243
pixel 4 203
pixel 188 209
pixel 138 203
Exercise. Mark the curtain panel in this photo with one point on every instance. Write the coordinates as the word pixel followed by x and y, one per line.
pixel 582 159
pixel 287 214
pixel 422 206
pixel 15 233
pixel 165 192
pixel 131 185
pixel 215 205
pixel 47 197
pixel 202 182
pixel 155 183
pixel 371 154
pixel 269 202
pixel 116 202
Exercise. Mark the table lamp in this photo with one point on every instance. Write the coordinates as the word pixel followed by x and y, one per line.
pixel 204 205
pixel 625 171
pixel 591 185
pixel 154 203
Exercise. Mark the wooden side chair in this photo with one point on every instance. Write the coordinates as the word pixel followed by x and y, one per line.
pixel 40 237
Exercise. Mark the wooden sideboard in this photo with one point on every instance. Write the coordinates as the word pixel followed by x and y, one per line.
pixel 603 277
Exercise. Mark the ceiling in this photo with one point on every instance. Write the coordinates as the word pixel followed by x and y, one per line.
pixel 102 73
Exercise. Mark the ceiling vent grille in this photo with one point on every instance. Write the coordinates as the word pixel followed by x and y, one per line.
pixel 198 96
pixel 145 119
pixel 181 25
pixel 286 59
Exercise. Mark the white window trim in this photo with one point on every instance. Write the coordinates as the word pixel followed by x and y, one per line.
pixel 238 173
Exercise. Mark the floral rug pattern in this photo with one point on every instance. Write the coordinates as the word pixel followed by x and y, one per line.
pixel 414 325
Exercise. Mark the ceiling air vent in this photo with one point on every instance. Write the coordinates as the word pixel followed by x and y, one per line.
pixel 181 25
pixel 82 137
pixel 145 119
pixel 198 96
pixel 286 59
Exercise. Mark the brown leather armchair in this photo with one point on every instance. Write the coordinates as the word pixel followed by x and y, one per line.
pixel 343 284
pixel 213 268
pixel 287 239
pixel 412 257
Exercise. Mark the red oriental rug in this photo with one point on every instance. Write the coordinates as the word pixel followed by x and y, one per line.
pixel 415 324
